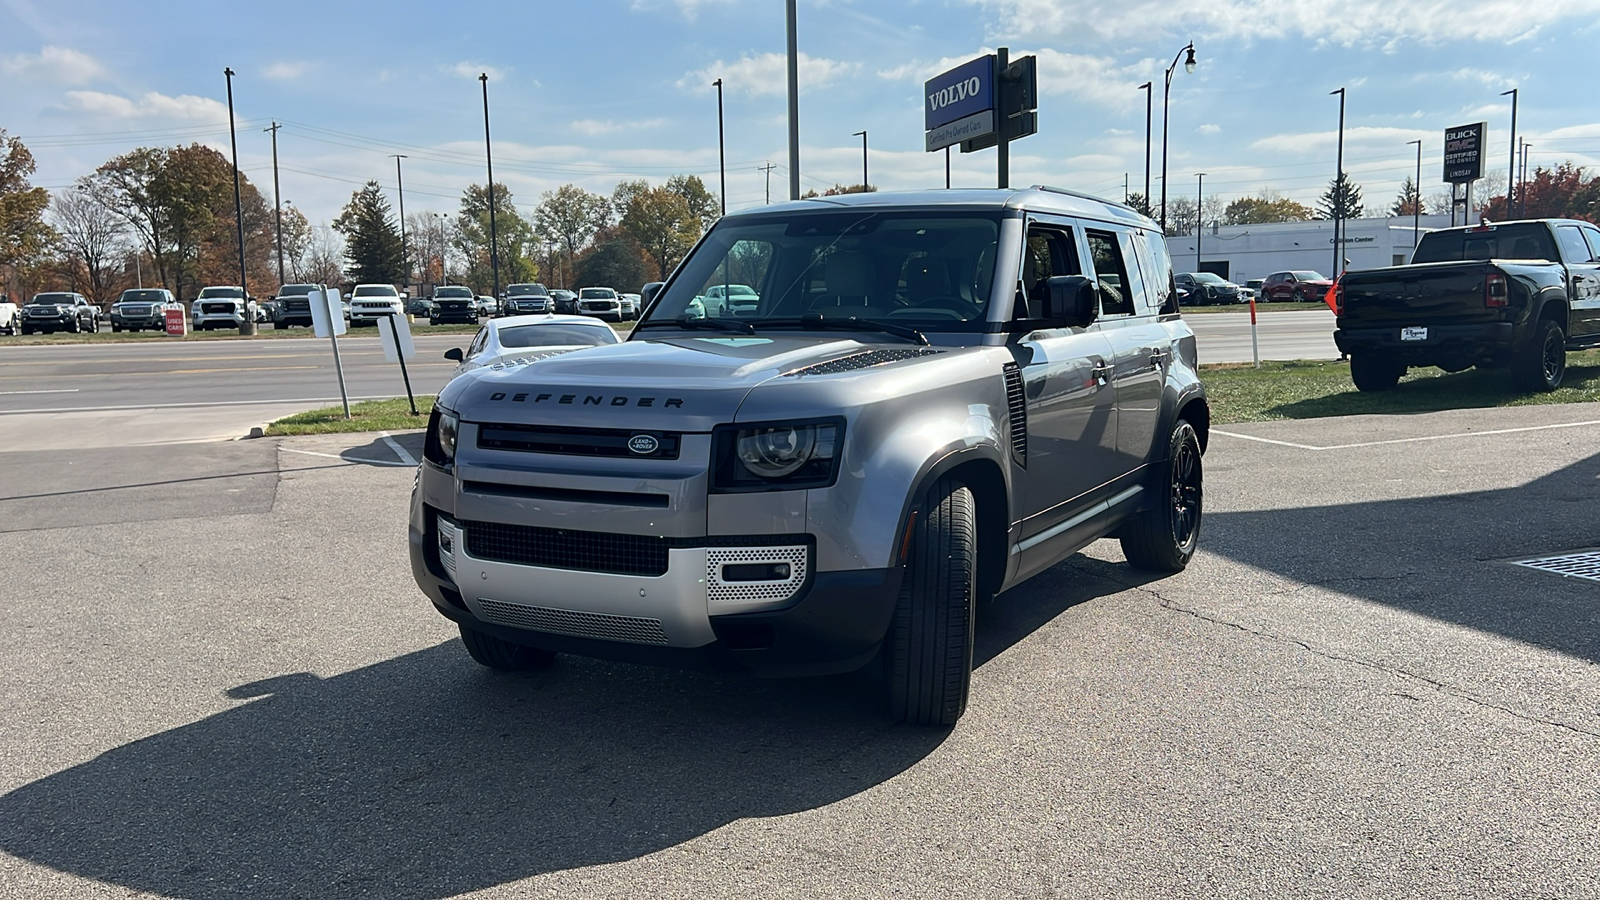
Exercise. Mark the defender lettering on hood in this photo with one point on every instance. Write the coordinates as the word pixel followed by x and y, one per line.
pixel 585 399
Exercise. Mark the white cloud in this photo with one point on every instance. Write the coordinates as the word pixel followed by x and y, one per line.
pixel 473 70
pixel 59 65
pixel 1365 22
pixel 596 127
pixel 186 107
pixel 1321 142
pixel 689 8
pixel 1209 128
pixel 285 70
pixel 768 73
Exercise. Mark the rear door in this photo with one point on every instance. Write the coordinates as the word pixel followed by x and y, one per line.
pixel 1138 342
pixel 1583 278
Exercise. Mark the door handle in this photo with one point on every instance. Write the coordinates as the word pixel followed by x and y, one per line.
pixel 1158 357
pixel 1102 371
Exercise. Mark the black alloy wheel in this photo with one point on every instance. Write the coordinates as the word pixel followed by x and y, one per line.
pixel 1164 537
pixel 1542 364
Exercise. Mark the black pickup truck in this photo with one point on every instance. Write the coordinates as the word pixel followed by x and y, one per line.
pixel 1514 295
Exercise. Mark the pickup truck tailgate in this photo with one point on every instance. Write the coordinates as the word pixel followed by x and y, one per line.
pixel 1435 292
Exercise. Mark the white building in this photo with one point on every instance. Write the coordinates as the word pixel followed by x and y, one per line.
pixel 1241 252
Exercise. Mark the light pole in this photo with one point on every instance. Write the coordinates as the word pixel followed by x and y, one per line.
pixel 247 322
pixel 405 258
pixel 722 155
pixel 1416 201
pixel 794 102
pixel 1199 215
pixel 277 202
pixel 444 245
pixel 1522 181
pixel 488 155
pixel 1339 193
pixel 1166 98
pixel 1149 99
pixel 863 135
pixel 1511 174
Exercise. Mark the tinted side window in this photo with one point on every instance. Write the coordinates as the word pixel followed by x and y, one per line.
pixel 478 343
pixel 1137 293
pixel 1158 279
pixel 1112 272
pixel 1573 246
pixel 1593 235
pixel 1051 252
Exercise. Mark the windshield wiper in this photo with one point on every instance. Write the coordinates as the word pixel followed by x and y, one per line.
pixel 691 322
pixel 850 323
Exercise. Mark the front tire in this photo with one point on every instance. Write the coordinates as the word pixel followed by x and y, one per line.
pixel 501 655
pixel 1542 364
pixel 1375 372
pixel 928 652
pixel 1163 538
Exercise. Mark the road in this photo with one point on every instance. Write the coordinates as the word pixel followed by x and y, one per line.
pixel 91 395
pixel 220 682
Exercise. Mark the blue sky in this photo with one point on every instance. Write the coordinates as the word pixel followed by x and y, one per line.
pixel 592 93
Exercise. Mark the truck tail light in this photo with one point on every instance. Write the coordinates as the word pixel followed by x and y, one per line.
pixel 1335 298
pixel 1494 289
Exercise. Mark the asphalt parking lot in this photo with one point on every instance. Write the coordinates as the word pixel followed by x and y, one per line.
pixel 220 681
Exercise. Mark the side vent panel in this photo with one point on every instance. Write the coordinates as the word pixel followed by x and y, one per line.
pixel 1017 403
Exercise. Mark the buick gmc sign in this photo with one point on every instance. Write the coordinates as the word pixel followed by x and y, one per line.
pixel 959 104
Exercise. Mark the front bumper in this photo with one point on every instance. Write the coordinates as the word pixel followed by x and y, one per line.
pixel 827 622
pixel 218 320
pixel 152 321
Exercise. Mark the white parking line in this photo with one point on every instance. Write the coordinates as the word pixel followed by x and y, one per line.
pixel 1411 440
pixel 56 391
pixel 399 451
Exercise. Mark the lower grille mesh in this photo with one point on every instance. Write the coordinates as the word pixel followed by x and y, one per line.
pixel 632 629
pixel 583 551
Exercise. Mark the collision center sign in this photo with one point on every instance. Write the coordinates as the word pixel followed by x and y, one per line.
pixel 959 104
pixel 1463 153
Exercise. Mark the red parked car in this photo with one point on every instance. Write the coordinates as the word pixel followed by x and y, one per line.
pixel 1297 285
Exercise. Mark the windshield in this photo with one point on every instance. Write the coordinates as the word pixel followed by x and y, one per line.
pixel 448 293
pixel 296 290
pixel 1524 241
pixel 526 290
pixel 52 299
pixel 596 293
pixel 1308 276
pixel 142 297
pixel 212 293
pixel 557 335
pixel 375 290
pixel 926 270
pixel 1208 278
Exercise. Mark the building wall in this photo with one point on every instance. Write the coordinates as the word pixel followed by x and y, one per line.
pixel 1241 252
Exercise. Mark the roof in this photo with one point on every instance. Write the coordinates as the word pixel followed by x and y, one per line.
pixel 1039 198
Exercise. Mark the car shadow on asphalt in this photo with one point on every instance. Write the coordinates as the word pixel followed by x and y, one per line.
pixel 426 776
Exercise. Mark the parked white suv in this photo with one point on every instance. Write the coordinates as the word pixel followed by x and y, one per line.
pixel 369 302
pixel 599 301
pixel 221 307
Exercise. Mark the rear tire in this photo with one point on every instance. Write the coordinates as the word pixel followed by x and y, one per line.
pixel 1375 372
pixel 927 654
pixel 1542 364
pixel 501 655
pixel 1163 538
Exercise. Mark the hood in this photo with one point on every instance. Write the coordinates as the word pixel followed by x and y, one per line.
pixel 687 384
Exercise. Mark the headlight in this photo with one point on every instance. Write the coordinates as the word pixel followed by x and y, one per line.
pixel 776 456
pixel 444 427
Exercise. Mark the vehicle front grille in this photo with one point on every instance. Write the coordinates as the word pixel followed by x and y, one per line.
pixel 582 551
pixel 576 441
pixel 864 360
pixel 218 308
pixel 300 305
pixel 633 629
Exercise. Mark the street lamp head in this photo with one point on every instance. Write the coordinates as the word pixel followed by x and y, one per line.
pixel 1189 63
pixel 717 83
pixel 484 78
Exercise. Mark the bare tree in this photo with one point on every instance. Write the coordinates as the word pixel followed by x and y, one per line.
pixel 324 259
pixel 94 236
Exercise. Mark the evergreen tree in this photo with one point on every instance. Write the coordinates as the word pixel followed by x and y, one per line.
pixel 1410 200
pixel 372 239
pixel 1342 199
pixel 1141 204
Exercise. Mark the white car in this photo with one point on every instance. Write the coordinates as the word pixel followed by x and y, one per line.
pixel 514 340
pixel 600 301
pixel 370 302
pixel 221 307
pixel 632 305
pixel 10 317
pixel 730 299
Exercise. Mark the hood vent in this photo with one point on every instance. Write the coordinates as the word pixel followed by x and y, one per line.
pixel 865 360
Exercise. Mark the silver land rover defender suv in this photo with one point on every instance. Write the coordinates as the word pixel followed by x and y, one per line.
pixel 932 398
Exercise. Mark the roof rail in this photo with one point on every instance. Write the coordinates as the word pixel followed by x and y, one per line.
pixel 1082 196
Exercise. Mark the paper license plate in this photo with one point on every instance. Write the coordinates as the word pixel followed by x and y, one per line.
pixel 1413 334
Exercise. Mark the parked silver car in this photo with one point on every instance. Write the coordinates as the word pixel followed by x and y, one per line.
pixel 937 396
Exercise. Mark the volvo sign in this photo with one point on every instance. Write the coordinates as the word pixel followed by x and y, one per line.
pixel 960 93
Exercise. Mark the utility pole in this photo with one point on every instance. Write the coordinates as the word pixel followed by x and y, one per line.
pixel 488 155
pixel 247 322
pixel 277 196
pixel 405 258
pixel 1149 97
pixel 794 103
pixel 768 169
pixel 1416 201
pixel 1511 174
pixel 1199 215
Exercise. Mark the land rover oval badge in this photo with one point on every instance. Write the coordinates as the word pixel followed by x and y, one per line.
pixel 644 444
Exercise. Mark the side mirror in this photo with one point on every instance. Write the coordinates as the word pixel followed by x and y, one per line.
pixel 649 292
pixel 454 354
pixel 1073 300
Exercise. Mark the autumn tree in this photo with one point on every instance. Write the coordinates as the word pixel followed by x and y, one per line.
pixel 93 240
pixel 1342 199
pixel 570 216
pixel 702 203
pixel 664 225
pixel 1267 206
pixel 1562 192
pixel 372 240
pixel 514 239
pixel 614 259
pixel 24 235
